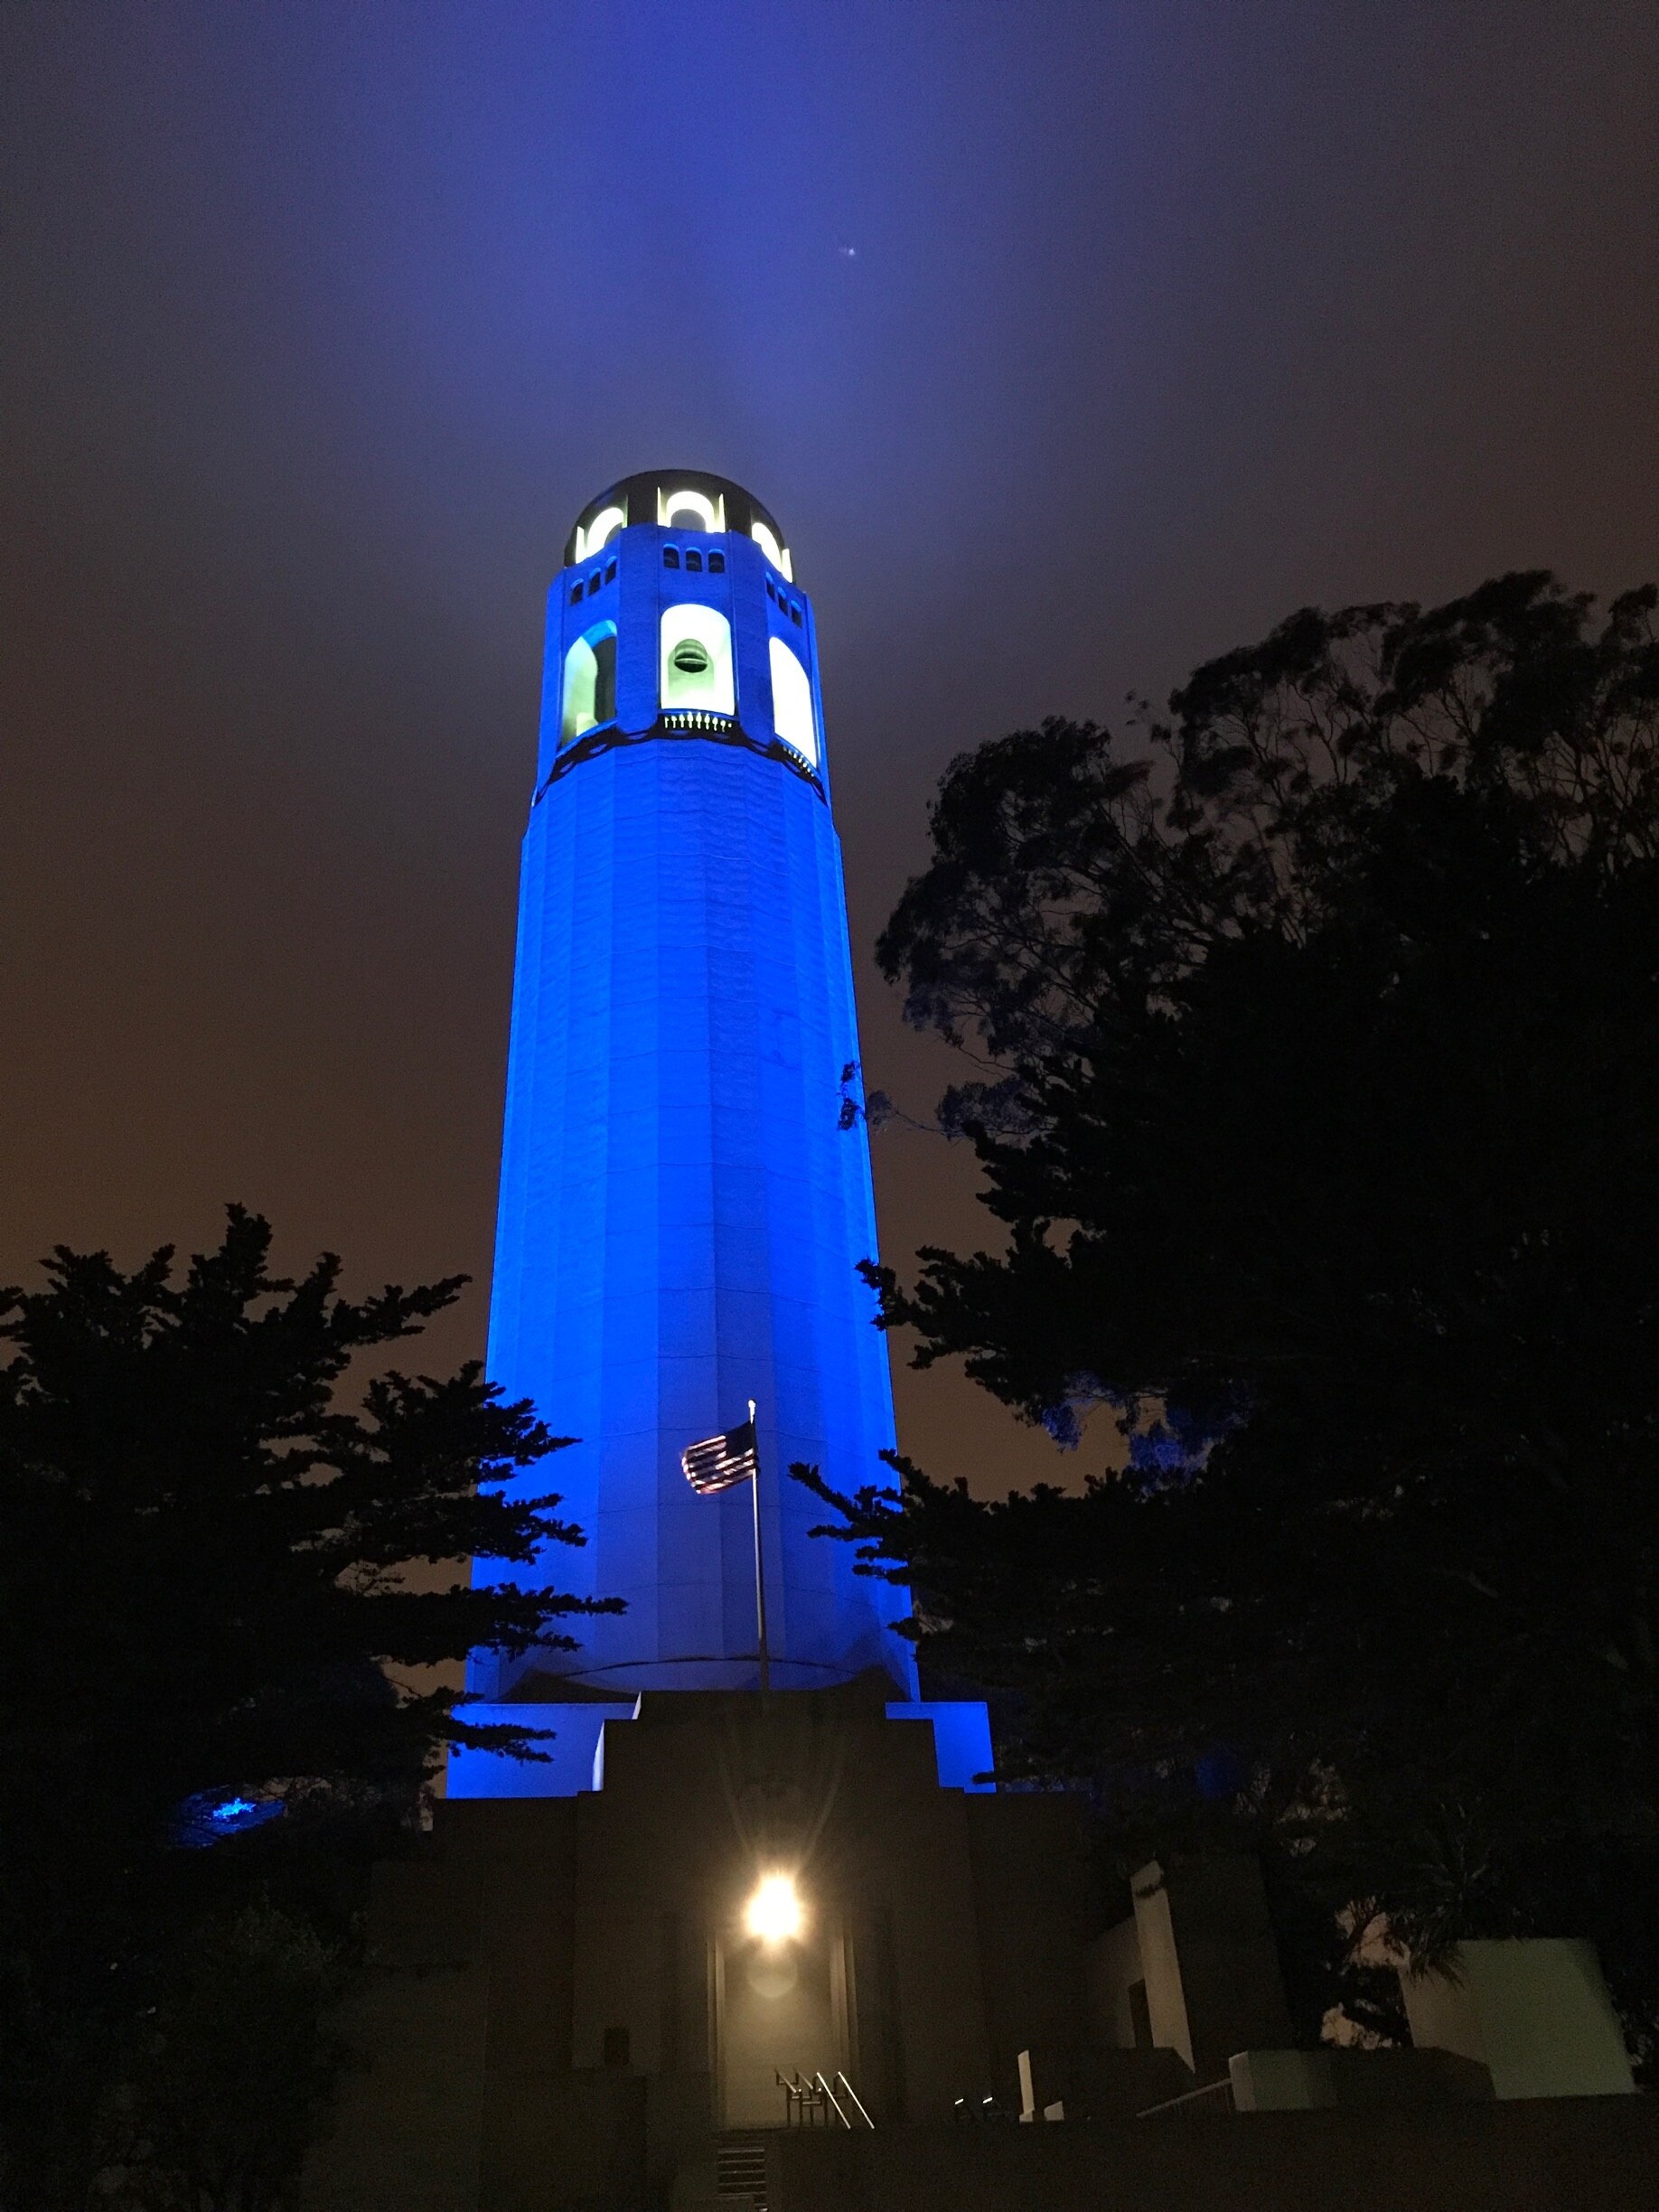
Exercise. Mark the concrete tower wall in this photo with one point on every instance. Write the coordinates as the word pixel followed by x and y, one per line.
pixel 685 1184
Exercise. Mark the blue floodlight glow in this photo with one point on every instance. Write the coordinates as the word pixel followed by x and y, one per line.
pixel 684 1202
pixel 214 1814
pixel 961 1739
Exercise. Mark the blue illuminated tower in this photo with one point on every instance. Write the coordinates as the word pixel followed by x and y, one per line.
pixel 685 1190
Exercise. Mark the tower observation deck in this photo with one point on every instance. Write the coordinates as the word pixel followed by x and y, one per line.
pixel 685 1189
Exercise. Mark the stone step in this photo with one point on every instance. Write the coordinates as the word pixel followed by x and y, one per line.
pixel 740 2167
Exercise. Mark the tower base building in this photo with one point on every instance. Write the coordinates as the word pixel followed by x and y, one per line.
pixel 570 2004
pixel 567 2001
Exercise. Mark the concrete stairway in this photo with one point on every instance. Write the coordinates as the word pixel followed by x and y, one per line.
pixel 740 2167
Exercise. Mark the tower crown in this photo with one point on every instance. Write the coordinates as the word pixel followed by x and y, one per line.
pixel 677 499
pixel 676 615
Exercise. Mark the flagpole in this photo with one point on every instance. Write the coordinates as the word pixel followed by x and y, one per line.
pixel 760 1575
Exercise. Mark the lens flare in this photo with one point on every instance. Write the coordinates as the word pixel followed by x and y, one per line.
pixel 773 1913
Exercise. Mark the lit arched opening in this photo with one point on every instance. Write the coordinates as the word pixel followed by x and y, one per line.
pixel 792 702
pixel 590 683
pixel 690 511
pixel 776 554
pixel 697 660
pixel 599 531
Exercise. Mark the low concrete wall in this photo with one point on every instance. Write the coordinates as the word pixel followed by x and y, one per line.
pixel 1580 2154
pixel 1355 2080
pixel 1534 2013
pixel 1209 1961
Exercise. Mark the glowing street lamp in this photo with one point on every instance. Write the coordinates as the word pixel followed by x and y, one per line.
pixel 773 1914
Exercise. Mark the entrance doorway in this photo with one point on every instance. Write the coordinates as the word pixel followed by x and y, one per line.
pixel 780 2008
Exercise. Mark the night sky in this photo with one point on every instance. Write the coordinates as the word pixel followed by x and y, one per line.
pixel 1070 345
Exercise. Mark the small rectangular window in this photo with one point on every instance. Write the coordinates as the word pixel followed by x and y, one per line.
pixel 670 557
pixel 694 560
pixel 593 582
pixel 717 564
pixel 771 591
pixel 576 591
pixel 794 614
pixel 610 573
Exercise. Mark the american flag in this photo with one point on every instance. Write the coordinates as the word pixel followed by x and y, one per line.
pixel 719 1461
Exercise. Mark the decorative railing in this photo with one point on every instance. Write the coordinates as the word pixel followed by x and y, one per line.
pixel 675 722
pixel 698 720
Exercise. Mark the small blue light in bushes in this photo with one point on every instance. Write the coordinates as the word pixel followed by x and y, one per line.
pixel 1220 1774
pixel 214 1814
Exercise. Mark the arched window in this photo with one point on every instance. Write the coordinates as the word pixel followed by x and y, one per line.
pixel 690 511
pixel 590 684
pixel 776 554
pixel 791 703
pixel 599 531
pixel 697 660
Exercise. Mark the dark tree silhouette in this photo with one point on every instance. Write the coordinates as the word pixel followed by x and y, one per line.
pixel 203 1598
pixel 1319 1084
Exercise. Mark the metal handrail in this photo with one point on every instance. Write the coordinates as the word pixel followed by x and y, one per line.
pixel 800 2096
pixel 1212 2093
pixel 857 2099
pixel 834 2106
pixel 812 2096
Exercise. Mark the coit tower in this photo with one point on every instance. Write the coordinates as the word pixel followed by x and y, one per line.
pixel 685 1190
